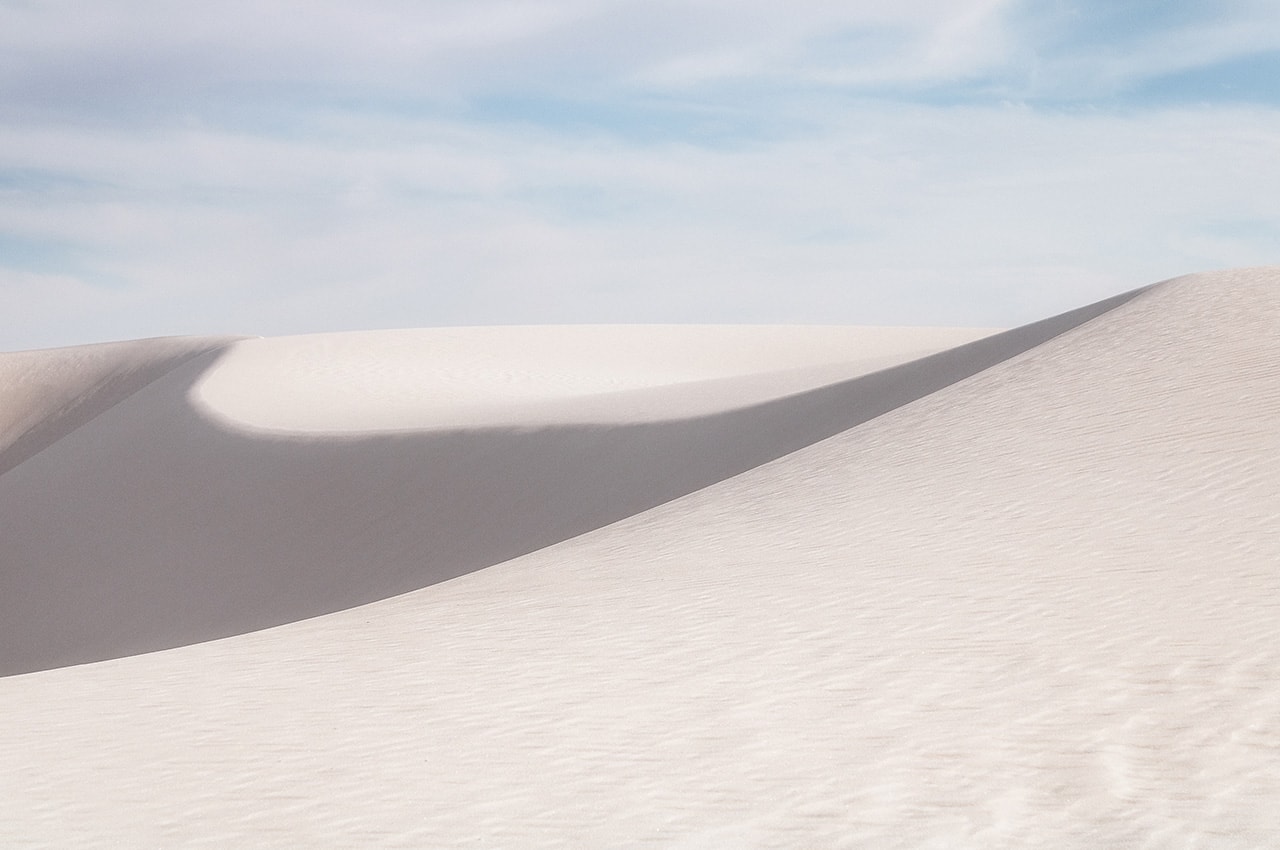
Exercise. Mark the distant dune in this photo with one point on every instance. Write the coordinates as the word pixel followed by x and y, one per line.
pixel 670 586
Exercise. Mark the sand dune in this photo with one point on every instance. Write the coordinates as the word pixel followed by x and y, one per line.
pixel 1018 592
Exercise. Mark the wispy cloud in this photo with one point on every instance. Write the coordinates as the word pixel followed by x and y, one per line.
pixel 290 167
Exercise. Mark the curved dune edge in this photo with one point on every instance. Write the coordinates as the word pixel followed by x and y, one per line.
pixel 441 379
pixel 46 394
pixel 1036 608
pixel 188 531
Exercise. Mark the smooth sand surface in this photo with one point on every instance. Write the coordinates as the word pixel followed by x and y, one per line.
pixel 1036 604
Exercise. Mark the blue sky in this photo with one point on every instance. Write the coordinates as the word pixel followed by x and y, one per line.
pixel 290 167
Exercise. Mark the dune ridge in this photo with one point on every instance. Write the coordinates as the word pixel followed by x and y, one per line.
pixel 1034 606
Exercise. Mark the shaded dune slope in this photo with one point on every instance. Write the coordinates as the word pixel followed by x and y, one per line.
pixel 47 394
pixel 153 527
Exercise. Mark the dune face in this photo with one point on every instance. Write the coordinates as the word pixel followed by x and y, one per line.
pixel 1019 592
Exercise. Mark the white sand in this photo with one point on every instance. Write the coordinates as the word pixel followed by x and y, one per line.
pixel 1038 606
pixel 465 378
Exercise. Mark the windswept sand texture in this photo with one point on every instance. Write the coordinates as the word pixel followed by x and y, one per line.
pixel 1024 592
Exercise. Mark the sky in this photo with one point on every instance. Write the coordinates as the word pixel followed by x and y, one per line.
pixel 277 166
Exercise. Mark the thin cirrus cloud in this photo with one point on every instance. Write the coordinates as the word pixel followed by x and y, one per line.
pixel 293 167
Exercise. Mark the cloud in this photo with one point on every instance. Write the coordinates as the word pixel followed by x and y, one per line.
pixel 137 59
pixel 981 215
pixel 64 56
pixel 1097 51
pixel 289 167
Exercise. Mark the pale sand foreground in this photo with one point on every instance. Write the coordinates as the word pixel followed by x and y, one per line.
pixel 1035 601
